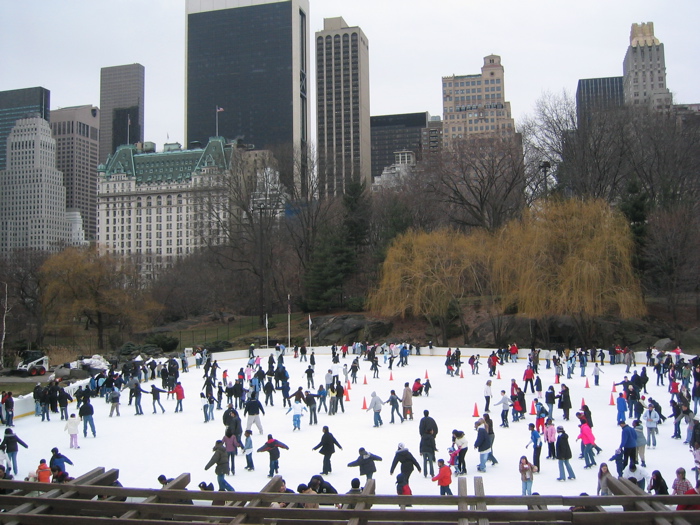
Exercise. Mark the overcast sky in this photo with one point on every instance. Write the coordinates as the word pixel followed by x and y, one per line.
pixel 545 45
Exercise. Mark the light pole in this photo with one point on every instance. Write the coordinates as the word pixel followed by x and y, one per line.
pixel 545 166
pixel 261 273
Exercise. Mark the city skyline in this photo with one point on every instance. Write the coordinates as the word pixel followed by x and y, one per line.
pixel 544 46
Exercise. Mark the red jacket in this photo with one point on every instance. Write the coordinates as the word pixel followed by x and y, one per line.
pixel 444 476
pixel 178 391
pixel 529 374
pixel 43 473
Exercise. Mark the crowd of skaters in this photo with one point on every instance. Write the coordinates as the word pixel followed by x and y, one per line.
pixel 248 386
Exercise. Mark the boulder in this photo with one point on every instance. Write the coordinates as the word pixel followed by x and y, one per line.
pixel 333 329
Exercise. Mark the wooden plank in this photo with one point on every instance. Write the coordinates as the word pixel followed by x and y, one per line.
pixel 271 486
pixel 623 486
pixel 179 483
pixel 462 505
pixel 479 491
pixel 368 490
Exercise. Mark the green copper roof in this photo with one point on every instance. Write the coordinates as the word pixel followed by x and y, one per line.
pixel 164 167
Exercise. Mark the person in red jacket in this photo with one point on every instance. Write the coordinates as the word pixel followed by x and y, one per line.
pixel 529 377
pixel 444 478
pixel 691 491
pixel 179 395
pixel 43 472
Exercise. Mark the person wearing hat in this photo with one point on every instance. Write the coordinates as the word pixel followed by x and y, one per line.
pixel 366 463
pixel 563 454
pixel 220 459
pixel 408 462
pixel 651 421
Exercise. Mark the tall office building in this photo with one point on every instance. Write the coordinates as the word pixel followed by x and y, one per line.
pixel 121 107
pixel 342 104
pixel 18 104
pixel 394 133
pixel 597 94
pixel 32 195
pixel 77 131
pixel 431 139
pixel 247 62
pixel 644 70
pixel 476 104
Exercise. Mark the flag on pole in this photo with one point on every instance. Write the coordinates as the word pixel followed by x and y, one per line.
pixel 265 320
pixel 218 109
pixel 289 304
pixel 309 320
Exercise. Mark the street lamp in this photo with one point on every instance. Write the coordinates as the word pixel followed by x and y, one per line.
pixel 261 298
pixel 545 166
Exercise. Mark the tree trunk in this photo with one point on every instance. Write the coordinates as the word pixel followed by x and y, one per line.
pixel 99 324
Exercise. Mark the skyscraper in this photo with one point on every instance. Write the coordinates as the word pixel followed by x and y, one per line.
pixel 597 94
pixel 32 195
pixel 121 107
pixel 644 69
pixel 342 102
pixel 394 133
pixel 77 131
pixel 17 104
pixel 247 62
pixel 476 104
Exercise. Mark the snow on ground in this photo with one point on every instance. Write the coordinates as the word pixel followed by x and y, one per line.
pixel 142 447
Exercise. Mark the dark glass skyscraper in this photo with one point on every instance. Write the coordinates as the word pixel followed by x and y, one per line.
pixel 392 133
pixel 249 59
pixel 17 104
pixel 597 94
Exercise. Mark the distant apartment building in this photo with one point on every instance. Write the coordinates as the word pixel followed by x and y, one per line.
pixel 32 194
pixel 122 90
pixel 393 133
pixel 77 131
pixel 342 103
pixel 644 70
pixel 431 139
pixel 476 104
pixel 598 94
pixel 20 104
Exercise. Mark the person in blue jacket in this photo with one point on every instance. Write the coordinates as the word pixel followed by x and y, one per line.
pixel 628 445
pixel 621 408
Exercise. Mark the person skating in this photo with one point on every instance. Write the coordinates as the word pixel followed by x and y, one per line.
pixel 563 455
pixel 443 478
pixel 327 449
pixel 375 405
pixel 407 461
pixel 272 447
pixel 366 463
pixel 220 459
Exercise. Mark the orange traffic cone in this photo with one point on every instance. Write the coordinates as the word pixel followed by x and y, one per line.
pixel 499 375
pixel 365 379
pixel 348 387
pixel 347 395
pixel 476 411
pixel 426 374
pixel 556 379
pixel 583 402
pixel 587 385
pixel 533 412
pixel 612 400
pixel 391 376
pixel 364 404
pixel 614 389
pixel 461 373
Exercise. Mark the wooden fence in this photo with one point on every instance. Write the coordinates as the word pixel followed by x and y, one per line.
pixel 91 498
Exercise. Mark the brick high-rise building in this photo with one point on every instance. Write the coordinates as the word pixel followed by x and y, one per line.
pixel 342 87
pixel 122 91
pixel 476 104
pixel 77 131
pixel 644 70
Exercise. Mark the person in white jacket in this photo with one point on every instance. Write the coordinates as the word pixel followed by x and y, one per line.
pixel 651 421
pixel 72 426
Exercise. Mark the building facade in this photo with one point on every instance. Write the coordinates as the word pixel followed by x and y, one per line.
pixel 247 62
pixel 21 104
pixel 32 194
pixel 122 90
pixel 431 140
pixel 393 133
pixel 597 94
pixel 476 104
pixel 342 107
pixel 77 132
pixel 644 70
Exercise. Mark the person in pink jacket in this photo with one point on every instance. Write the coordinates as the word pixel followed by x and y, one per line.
pixel 550 437
pixel 587 438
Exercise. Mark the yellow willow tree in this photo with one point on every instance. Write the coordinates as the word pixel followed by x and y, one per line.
pixel 430 275
pixel 568 258
pixel 102 290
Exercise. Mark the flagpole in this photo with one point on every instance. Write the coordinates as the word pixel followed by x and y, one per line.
pixel 216 111
pixel 309 331
pixel 289 321
pixel 128 128
pixel 267 332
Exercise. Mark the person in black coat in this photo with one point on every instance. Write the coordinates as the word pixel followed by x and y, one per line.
pixel 10 446
pixel 563 454
pixel 407 461
pixel 366 463
pixel 427 424
pixel 327 446
pixel 564 401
